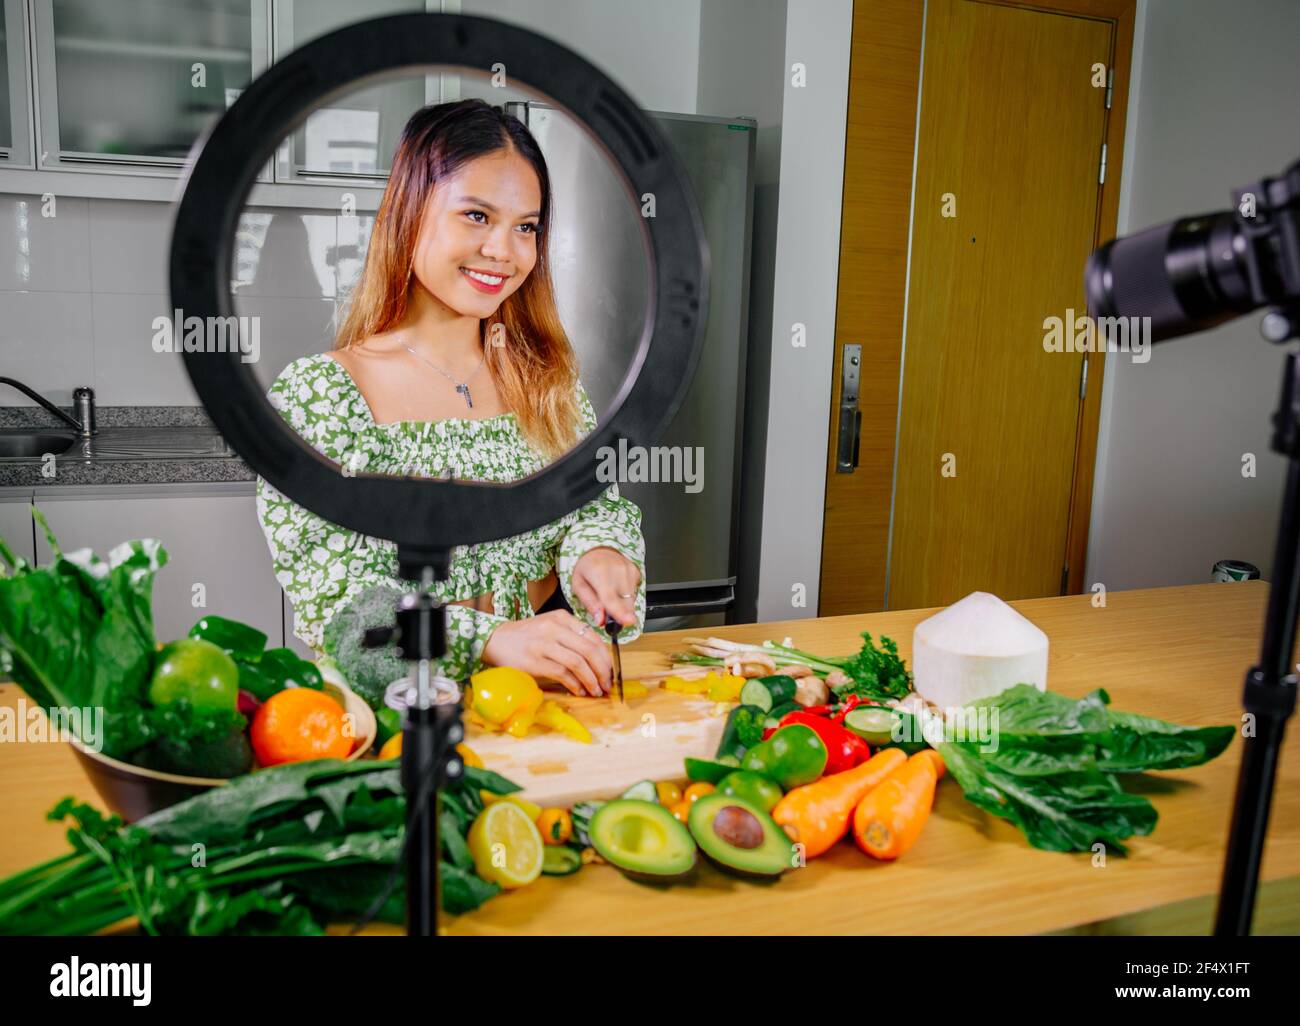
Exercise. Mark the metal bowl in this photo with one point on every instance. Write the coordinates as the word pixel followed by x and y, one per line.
pixel 133 792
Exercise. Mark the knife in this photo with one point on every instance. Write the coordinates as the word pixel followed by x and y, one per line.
pixel 612 627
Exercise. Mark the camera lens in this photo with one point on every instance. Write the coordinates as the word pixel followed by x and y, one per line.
pixel 1187 275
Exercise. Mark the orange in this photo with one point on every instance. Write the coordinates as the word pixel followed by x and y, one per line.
pixel 298 724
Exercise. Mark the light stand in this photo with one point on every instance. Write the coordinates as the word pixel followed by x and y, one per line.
pixel 425 517
pixel 430 731
pixel 1270 692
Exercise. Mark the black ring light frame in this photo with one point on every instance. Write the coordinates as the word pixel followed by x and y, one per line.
pixel 397 508
pixel 426 517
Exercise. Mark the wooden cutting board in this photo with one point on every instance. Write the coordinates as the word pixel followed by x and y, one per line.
pixel 646 739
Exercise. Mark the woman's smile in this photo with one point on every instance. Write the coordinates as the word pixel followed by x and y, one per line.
pixel 484 282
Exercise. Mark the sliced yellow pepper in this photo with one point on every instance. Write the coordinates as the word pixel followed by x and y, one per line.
pixel 726 689
pixel 634 689
pixel 553 716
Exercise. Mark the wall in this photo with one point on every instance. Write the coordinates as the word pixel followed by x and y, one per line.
pixel 1213 107
pixel 806 269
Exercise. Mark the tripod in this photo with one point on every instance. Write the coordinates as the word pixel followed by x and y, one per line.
pixel 1270 692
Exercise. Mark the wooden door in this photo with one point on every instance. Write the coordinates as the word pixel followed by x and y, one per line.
pixel 990 427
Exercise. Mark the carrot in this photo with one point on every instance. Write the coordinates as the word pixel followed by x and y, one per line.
pixel 939 768
pixel 818 814
pixel 890 818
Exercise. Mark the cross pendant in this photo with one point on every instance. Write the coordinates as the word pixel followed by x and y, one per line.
pixel 464 390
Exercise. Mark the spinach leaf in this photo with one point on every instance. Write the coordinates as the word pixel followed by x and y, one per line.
pixel 1135 743
pixel 1056 812
pixel 1027 715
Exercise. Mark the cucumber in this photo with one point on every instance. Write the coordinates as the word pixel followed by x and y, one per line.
pixel 768 692
pixel 581 814
pixel 702 770
pixel 560 860
pixel 774 717
pixel 643 789
pixel 730 743
pixel 876 725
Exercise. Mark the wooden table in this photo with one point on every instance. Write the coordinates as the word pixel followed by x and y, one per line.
pixel 1175 653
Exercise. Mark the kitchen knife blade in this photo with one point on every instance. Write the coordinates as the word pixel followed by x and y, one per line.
pixel 612 627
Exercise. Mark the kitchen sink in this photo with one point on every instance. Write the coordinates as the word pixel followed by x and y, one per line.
pixel 34 443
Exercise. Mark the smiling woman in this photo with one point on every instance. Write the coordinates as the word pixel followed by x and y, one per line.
pixel 452 362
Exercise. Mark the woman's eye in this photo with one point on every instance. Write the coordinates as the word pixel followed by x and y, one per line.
pixel 532 228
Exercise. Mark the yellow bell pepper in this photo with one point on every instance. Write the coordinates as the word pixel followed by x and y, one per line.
pixel 687 687
pixel 501 693
pixel 726 688
pixel 553 716
pixel 634 689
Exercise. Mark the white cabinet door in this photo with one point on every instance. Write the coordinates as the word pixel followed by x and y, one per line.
pixel 16 525
pixel 218 561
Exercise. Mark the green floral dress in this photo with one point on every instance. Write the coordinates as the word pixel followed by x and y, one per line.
pixel 323 567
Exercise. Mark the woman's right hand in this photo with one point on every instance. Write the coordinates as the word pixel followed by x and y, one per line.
pixel 556 645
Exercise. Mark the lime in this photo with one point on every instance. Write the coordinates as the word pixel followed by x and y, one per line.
pixel 198 671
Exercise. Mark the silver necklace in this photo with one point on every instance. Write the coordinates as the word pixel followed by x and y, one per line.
pixel 461 386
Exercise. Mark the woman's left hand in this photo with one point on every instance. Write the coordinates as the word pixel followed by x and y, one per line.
pixel 601 579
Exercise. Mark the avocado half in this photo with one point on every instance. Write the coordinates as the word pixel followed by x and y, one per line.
pixel 740 837
pixel 643 840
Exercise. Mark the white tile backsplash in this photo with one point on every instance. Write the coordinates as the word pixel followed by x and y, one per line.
pixel 79 292
pixel 288 327
pixel 44 344
pixel 43 244
pixel 127 370
pixel 129 244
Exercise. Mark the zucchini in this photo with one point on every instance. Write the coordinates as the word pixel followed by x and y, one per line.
pixel 730 743
pixel 560 860
pixel 702 770
pixel 768 692
pixel 774 717
pixel 643 789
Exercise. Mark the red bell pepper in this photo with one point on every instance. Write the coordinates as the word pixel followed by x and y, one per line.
pixel 844 749
pixel 850 703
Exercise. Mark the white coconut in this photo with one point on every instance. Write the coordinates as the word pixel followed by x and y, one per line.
pixel 975 648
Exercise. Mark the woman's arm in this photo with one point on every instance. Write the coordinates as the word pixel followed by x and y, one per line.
pixel 608 521
pixel 326 569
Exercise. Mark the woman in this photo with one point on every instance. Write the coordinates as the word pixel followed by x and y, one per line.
pixel 452 361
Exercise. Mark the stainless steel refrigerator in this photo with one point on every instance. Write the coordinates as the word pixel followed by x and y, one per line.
pixel 599 268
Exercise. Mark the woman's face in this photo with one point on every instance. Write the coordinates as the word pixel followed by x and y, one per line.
pixel 482 219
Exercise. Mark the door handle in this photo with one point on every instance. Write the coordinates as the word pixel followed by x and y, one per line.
pixel 848 442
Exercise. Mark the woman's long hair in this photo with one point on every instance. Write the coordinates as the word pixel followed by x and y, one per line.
pixel 535 368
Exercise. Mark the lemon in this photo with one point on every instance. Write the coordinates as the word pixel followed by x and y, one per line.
pixel 506 846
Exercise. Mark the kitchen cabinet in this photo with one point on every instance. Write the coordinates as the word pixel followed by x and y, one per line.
pixel 218 561
pixel 15 108
pixel 16 525
pixel 354 136
pixel 133 85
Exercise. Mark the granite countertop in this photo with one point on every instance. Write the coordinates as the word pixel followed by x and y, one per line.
pixel 134 445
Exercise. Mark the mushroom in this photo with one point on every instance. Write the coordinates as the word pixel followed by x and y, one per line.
pixel 749 664
pixel 811 691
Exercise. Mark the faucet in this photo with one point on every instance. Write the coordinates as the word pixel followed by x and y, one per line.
pixel 83 402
